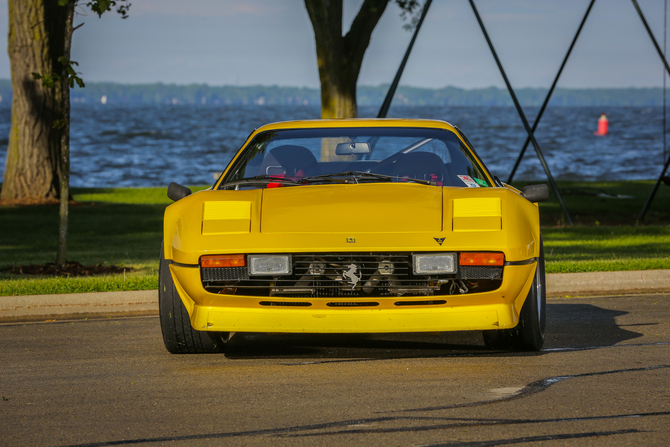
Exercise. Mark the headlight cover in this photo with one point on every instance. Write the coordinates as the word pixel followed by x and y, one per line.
pixel 434 263
pixel 269 265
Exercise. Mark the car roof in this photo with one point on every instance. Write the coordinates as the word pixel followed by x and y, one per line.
pixel 357 122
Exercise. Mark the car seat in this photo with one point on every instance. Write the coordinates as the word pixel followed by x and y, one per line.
pixel 420 165
pixel 289 160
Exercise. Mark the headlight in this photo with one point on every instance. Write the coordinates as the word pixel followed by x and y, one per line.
pixel 434 264
pixel 269 265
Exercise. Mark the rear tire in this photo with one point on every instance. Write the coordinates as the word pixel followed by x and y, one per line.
pixel 528 335
pixel 178 335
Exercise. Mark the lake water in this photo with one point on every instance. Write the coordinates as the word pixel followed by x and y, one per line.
pixel 153 145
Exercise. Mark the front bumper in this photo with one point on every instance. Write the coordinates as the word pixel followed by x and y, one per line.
pixel 497 309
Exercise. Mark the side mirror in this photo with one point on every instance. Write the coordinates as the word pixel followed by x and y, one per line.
pixel 536 193
pixel 176 191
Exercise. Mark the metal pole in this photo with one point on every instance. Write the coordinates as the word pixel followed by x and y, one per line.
pixel 667 68
pixel 394 85
pixel 653 192
pixel 551 91
pixel 522 116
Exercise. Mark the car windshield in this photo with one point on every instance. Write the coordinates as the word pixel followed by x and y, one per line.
pixel 355 155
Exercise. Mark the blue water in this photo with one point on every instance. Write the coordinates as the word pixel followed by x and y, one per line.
pixel 153 145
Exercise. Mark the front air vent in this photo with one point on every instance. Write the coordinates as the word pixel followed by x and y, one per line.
pixel 352 304
pixel 286 303
pixel 420 303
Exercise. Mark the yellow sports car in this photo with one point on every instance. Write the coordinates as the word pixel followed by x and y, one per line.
pixel 345 226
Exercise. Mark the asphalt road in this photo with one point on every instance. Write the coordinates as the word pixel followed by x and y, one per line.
pixel 603 379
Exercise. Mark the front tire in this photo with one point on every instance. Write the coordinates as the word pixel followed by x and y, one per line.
pixel 178 335
pixel 528 335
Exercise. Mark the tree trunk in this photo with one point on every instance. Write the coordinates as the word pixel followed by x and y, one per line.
pixel 36 41
pixel 64 168
pixel 340 57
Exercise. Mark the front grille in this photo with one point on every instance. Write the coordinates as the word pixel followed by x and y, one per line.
pixel 224 274
pixel 480 272
pixel 351 275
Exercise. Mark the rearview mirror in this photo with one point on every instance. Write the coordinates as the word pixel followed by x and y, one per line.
pixel 177 192
pixel 536 193
pixel 352 149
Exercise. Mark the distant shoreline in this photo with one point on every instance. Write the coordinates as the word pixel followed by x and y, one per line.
pixel 159 93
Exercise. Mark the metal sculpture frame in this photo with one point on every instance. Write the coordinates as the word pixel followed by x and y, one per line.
pixel 529 130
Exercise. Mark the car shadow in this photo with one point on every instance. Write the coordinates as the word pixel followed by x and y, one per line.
pixel 569 326
pixel 580 326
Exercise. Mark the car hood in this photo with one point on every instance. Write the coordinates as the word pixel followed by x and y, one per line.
pixel 360 208
pixel 340 218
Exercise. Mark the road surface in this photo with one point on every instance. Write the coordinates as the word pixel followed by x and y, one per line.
pixel 602 379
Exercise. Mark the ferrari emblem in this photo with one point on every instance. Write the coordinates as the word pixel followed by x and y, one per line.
pixel 439 240
pixel 351 275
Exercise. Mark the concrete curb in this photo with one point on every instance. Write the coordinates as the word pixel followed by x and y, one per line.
pixel 145 302
pixel 608 283
pixel 78 305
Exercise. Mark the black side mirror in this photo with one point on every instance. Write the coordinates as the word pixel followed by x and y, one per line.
pixel 176 191
pixel 536 193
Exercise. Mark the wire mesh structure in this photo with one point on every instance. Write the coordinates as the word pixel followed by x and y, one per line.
pixel 530 130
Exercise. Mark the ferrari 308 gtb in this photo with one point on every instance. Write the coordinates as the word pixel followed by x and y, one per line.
pixel 353 226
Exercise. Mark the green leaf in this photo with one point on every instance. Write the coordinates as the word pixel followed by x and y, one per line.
pixel 58 124
pixel 100 6
pixel 48 80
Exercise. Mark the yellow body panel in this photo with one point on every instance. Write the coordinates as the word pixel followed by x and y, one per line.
pixel 368 217
pixel 347 209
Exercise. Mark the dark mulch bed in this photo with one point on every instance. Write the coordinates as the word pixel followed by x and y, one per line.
pixel 72 268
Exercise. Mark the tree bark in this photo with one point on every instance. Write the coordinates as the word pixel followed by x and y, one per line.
pixel 35 42
pixel 340 57
pixel 64 168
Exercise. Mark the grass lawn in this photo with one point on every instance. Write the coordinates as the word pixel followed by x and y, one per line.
pixel 606 203
pixel 123 227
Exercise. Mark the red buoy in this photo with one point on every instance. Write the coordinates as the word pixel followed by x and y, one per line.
pixel 602 126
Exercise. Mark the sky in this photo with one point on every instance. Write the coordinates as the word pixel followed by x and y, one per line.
pixel 271 42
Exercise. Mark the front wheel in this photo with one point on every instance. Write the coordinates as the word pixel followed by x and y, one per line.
pixel 528 335
pixel 178 335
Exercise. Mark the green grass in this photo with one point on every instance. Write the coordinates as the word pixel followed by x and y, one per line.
pixel 48 286
pixel 119 226
pixel 122 226
pixel 606 203
pixel 136 196
pixel 607 235
pixel 601 249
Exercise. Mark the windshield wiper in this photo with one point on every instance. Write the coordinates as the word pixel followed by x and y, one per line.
pixel 261 179
pixel 360 175
pixel 339 177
